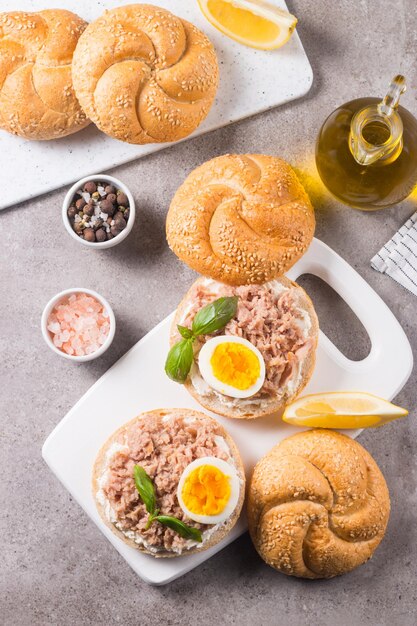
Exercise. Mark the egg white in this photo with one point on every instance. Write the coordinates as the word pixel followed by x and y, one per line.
pixel 228 470
pixel 206 369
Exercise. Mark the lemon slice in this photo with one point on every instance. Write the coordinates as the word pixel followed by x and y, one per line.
pixel 347 409
pixel 254 23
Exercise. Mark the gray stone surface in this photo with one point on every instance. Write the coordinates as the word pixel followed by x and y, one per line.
pixel 56 567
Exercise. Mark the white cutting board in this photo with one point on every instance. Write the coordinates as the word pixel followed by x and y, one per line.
pixel 137 382
pixel 251 81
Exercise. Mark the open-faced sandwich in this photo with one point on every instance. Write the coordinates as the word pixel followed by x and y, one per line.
pixel 246 351
pixel 169 482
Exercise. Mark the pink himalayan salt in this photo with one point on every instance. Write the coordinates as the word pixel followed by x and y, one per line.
pixel 79 324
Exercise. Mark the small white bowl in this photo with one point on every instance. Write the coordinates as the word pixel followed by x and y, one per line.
pixel 99 245
pixel 47 335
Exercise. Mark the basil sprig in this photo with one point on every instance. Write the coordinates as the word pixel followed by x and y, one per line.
pixel 146 490
pixel 212 317
pixel 187 532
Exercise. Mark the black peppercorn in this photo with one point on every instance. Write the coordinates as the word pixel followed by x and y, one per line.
pixel 107 207
pixel 90 186
pixel 89 234
pixel 72 212
pixel 80 204
pixel 122 199
pixel 101 235
pixel 120 223
pixel 89 209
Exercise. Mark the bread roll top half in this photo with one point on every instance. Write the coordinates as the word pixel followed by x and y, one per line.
pixel 318 505
pixel 241 219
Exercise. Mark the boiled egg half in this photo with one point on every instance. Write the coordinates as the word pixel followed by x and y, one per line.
pixel 209 490
pixel 232 366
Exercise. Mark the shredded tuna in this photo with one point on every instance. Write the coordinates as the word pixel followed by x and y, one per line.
pixel 271 322
pixel 163 449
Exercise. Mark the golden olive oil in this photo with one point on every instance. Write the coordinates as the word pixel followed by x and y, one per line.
pixel 366 151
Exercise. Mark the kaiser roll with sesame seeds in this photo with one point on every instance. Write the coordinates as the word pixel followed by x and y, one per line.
pixel 144 75
pixel 241 219
pixel 37 100
pixel 318 505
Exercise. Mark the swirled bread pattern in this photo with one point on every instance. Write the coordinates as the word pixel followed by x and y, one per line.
pixel 144 75
pixel 37 100
pixel 318 505
pixel 241 219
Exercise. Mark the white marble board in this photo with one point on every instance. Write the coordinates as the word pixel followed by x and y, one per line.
pixel 251 81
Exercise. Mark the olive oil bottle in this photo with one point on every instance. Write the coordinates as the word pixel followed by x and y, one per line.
pixel 366 151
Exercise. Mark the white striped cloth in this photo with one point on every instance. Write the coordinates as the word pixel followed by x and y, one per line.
pixel 398 257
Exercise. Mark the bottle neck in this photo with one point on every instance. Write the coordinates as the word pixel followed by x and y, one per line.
pixel 374 137
pixel 376 131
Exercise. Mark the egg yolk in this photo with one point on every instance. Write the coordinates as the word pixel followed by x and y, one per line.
pixel 235 365
pixel 206 490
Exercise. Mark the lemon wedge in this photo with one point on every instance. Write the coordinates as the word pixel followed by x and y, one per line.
pixel 254 23
pixel 347 409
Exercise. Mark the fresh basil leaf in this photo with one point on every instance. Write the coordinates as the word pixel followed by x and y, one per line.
pixel 145 487
pixel 179 360
pixel 215 315
pixel 185 332
pixel 187 532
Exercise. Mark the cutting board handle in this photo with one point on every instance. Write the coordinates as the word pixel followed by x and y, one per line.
pixel 390 349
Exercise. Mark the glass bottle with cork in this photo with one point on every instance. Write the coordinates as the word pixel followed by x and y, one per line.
pixel 366 151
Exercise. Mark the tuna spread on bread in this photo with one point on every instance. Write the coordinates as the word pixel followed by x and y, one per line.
pixel 273 319
pixel 164 443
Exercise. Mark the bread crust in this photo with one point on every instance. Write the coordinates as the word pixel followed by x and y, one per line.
pixel 100 464
pixel 241 219
pixel 144 75
pixel 318 505
pixel 274 406
pixel 37 99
